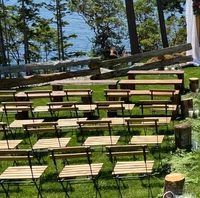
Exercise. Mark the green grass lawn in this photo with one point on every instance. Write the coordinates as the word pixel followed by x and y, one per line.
pixel 178 161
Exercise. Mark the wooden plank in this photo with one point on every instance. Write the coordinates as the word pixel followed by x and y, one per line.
pixel 22 172
pixel 85 82
pixel 147 139
pixel 133 167
pixel 150 72
pixel 151 82
pixel 101 140
pixel 20 123
pixel 51 143
pixel 70 122
pixel 80 170
pixel 9 144
pixel 115 121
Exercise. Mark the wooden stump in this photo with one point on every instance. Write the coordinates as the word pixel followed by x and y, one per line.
pixel 87 99
pixel 186 105
pixel 194 84
pixel 23 115
pixel 174 182
pixel 183 136
pixel 57 88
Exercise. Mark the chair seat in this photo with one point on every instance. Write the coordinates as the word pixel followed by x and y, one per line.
pixel 101 140
pixel 1 110
pixel 86 108
pixel 161 120
pixel 39 109
pixel 147 139
pixel 69 122
pixel 20 123
pixel 9 144
pixel 51 143
pixel 116 120
pixel 133 167
pixel 22 172
pixel 70 171
pixel 119 106
pixel 162 107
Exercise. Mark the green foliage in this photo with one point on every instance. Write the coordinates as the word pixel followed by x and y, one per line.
pixel 147 25
pixel 106 19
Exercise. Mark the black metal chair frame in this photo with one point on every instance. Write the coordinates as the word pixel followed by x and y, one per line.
pixel 18 155
pixel 82 128
pixel 74 152
pixel 133 150
pixel 54 126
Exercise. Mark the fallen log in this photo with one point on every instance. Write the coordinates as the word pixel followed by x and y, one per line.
pixel 42 78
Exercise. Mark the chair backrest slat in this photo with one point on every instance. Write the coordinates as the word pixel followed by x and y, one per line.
pixel 124 150
pixel 15 154
pixel 70 152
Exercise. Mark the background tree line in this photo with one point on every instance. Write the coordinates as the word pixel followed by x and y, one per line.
pixel 26 36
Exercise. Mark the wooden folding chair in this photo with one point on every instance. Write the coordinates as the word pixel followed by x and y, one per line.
pixel 113 106
pixel 129 169
pixel 163 93
pixel 55 107
pixel 97 125
pixel 19 108
pixel 75 172
pixel 134 123
pixel 7 144
pixel 62 106
pixel 7 94
pixel 117 94
pixel 85 94
pixel 158 105
pixel 20 174
pixel 34 94
pixel 110 107
pixel 48 128
pixel 152 139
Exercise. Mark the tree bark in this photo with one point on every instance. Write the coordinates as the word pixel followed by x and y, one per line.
pixel 132 27
pixel 162 24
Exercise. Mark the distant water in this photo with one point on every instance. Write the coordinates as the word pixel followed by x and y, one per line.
pixel 76 26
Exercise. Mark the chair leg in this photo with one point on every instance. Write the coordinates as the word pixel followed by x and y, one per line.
pixel 64 188
pixel 118 186
pixel 96 186
pixel 38 188
pixel 150 193
pixel 4 189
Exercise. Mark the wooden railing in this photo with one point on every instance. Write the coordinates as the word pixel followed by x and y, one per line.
pixel 14 76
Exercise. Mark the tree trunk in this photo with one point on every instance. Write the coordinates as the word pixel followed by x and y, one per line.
pixel 174 182
pixel 58 29
pixel 132 27
pixel 25 33
pixel 2 46
pixel 183 136
pixel 162 24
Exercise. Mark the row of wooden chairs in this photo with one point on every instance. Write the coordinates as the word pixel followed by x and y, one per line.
pixel 84 127
pixel 126 94
pixel 24 107
pixel 109 94
pixel 73 172
pixel 55 107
